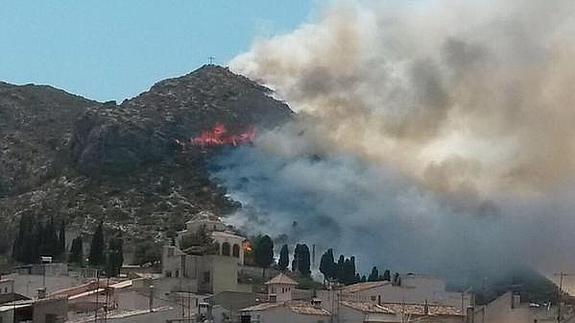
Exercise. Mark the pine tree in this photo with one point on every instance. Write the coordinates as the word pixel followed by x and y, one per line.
pixel 76 251
pixel 264 251
pixel 363 279
pixel 374 275
pixel 96 257
pixel 284 258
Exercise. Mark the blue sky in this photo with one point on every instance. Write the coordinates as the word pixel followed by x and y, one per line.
pixel 111 50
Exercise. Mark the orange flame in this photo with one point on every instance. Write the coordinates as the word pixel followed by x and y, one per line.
pixel 219 136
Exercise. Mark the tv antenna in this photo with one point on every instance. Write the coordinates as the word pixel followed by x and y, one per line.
pixel 211 60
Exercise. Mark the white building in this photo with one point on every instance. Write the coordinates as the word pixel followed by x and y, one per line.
pixel 287 312
pixel 280 288
pixel 227 243
pixel 414 289
pixel 206 220
pixel 6 286
pixel 281 308
pixel 508 308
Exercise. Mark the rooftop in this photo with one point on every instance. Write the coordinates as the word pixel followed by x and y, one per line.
pixel 204 216
pixel 299 307
pixel 367 307
pixel 225 234
pixel 419 309
pixel 359 287
pixel 282 279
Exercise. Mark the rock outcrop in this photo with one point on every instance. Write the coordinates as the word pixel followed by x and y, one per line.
pixel 71 158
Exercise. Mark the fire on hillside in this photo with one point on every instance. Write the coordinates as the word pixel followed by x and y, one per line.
pixel 220 136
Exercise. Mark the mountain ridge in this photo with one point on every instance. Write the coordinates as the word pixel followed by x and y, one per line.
pixel 120 163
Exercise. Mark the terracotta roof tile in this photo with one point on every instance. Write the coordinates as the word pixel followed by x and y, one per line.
pixel 282 279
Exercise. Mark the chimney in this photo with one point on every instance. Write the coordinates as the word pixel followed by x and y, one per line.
pixel 470 315
pixel 426 308
pixel 515 300
pixel 41 293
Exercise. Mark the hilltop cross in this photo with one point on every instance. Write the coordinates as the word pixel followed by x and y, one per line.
pixel 211 60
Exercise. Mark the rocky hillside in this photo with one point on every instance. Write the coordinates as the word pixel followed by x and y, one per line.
pixel 80 160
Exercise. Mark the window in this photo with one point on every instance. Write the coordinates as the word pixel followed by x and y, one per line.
pixel 170 252
pixel 206 277
pixel 273 290
pixel 226 249
pixel 177 273
pixel 168 274
pixel 372 298
pixel 236 251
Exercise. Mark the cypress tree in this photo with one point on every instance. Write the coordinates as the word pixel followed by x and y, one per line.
pixel 50 243
pixel 304 263
pixel 23 241
pixel 352 269
pixel 296 258
pixel 264 252
pixel 36 243
pixel 339 269
pixel 327 265
pixel 115 256
pixel 284 258
pixel 76 251
pixel 96 257
pixel 62 238
pixel 363 279
pixel 387 275
pixel 374 275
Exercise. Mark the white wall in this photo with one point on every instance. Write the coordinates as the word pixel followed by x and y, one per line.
pixel 501 311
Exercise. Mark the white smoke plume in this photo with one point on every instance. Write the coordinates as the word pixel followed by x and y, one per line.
pixel 442 132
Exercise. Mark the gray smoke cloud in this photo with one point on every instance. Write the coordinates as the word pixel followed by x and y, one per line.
pixel 431 133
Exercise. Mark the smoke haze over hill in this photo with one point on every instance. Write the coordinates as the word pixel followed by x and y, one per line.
pixel 431 134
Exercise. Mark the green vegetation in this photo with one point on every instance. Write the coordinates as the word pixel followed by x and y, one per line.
pixel 35 239
pixel 264 251
pixel 97 258
pixel 77 252
pixel 147 252
pixel 115 258
pixel 283 262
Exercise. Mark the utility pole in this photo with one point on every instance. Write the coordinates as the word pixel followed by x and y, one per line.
pixel 560 295
pixel 151 300
pixel 97 300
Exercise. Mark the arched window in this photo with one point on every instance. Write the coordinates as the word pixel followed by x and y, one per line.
pixel 226 249
pixel 236 251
